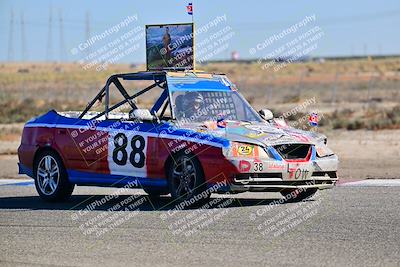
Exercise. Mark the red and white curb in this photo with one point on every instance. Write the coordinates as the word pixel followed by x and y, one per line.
pixel 372 183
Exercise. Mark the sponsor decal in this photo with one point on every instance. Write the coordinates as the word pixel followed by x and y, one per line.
pixel 244 150
pixel 300 137
pixel 256 134
pixel 276 166
pixel 244 166
pixel 299 171
pixel 273 137
pixel 237 130
pixel 263 128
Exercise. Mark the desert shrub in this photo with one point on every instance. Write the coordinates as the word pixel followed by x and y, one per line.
pixel 291 99
pixel 338 124
pixel 355 125
pixel 21 110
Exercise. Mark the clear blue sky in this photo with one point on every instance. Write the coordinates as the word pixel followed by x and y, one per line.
pixel 350 27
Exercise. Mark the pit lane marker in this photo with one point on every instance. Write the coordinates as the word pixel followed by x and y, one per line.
pixel 372 183
pixel 16 182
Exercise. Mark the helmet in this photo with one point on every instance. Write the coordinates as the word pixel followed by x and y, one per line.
pixel 191 98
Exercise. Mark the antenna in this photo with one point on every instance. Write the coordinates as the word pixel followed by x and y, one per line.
pixel 11 37
pixel 49 52
pixel 62 43
pixel 24 53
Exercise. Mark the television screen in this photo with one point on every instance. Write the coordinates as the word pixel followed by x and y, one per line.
pixel 169 46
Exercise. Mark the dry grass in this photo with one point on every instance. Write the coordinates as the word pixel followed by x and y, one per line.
pixel 352 94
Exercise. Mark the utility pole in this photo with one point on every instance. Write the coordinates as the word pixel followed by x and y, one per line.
pixel 11 37
pixel 24 54
pixel 87 32
pixel 62 43
pixel 49 52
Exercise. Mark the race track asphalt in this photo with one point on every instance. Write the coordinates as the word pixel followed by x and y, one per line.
pixel 346 226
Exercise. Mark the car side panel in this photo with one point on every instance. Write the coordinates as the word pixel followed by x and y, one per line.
pixel 32 139
pixel 215 166
pixel 81 149
pixel 89 153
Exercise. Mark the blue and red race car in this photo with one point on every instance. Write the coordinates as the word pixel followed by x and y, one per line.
pixel 200 137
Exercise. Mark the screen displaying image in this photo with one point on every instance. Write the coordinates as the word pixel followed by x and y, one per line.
pixel 169 46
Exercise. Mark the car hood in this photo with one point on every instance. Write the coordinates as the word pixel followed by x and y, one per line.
pixel 259 133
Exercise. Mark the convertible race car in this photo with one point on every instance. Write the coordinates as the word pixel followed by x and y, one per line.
pixel 200 137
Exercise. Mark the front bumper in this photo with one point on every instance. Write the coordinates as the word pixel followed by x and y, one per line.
pixel 269 184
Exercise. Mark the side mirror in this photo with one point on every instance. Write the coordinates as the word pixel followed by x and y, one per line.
pixel 266 114
pixel 141 115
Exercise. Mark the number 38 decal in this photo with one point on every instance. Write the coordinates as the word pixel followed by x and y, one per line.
pixel 137 156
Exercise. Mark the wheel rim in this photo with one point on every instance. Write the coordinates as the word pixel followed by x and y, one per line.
pixel 184 176
pixel 48 175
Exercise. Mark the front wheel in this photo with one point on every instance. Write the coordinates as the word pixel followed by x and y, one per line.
pixel 186 180
pixel 51 179
pixel 296 195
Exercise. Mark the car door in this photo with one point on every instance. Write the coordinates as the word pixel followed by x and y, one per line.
pixel 78 144
pixel 132 149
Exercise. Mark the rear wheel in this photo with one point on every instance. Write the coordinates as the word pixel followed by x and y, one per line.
pixel 186 180
pixel 296 195
pixel 51 179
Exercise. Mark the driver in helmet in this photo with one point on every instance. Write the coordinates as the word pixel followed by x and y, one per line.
pixel 192 104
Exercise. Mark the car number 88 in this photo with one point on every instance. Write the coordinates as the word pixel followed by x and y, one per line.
pixel 136 157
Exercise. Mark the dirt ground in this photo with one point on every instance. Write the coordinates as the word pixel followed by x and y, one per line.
pixel 366 154
pixel 362 154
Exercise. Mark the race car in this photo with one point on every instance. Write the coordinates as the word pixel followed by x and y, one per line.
pixel 200 137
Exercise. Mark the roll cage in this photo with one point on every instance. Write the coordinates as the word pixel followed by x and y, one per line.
pixel 159 79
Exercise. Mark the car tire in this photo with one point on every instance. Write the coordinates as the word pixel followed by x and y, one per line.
pixel 298 195
pixel 51 178
pixel 186 180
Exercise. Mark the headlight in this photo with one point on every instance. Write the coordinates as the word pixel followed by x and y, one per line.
pixel 323 150
pixel 244 150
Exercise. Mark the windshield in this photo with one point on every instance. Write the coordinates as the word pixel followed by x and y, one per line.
pixel 200 106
